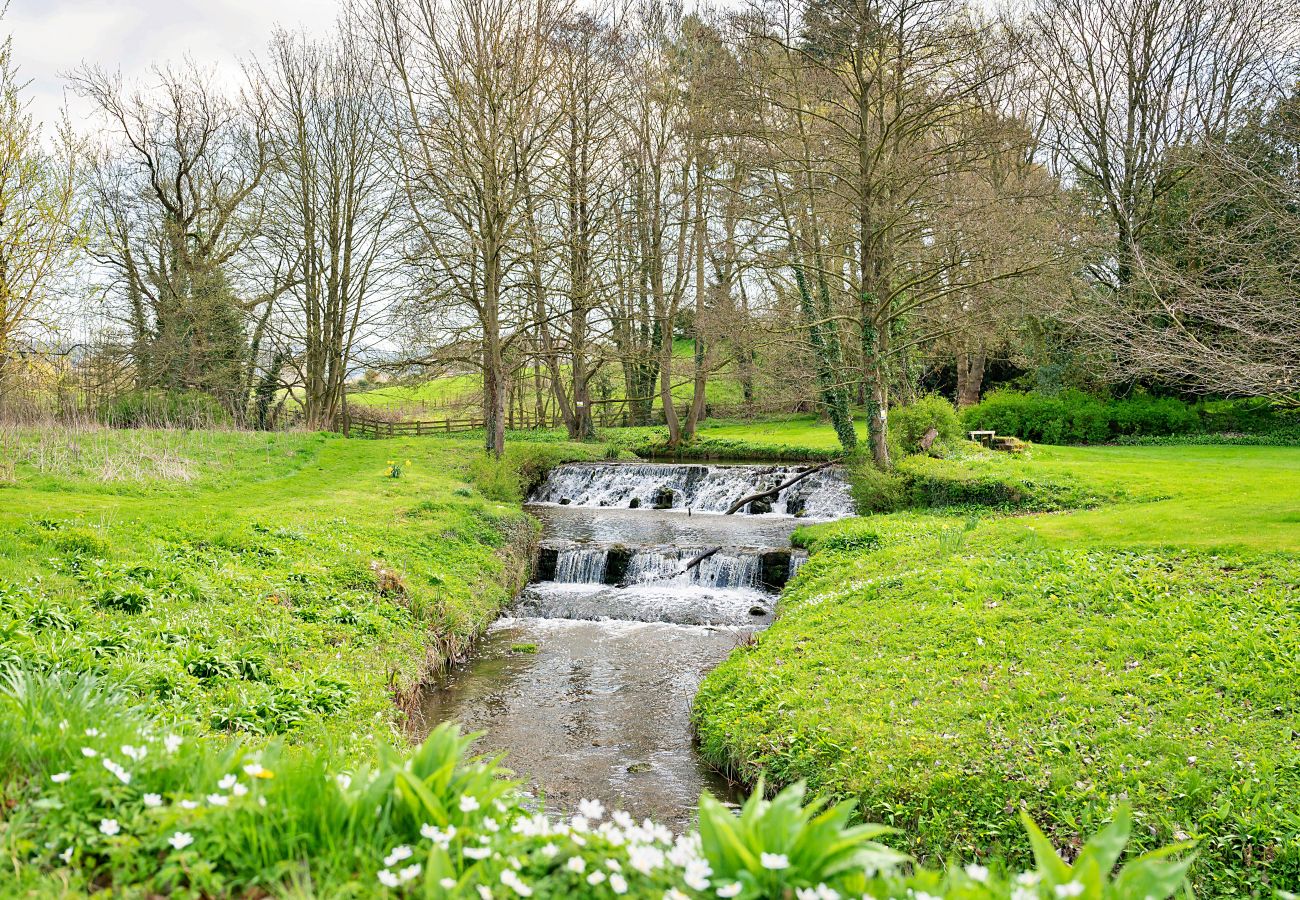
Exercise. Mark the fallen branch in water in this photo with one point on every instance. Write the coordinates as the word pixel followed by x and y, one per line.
pixel 773 492
pixel 699 558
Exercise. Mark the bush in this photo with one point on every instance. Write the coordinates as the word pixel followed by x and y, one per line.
pixel 1073 417
pixel 874 490
pixel 520 469
pixel 164 409
pixel 909 424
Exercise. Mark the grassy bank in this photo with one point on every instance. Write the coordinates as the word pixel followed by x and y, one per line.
pixel 257 583
pixel 946 670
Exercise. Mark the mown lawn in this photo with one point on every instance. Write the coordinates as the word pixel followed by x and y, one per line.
pixel 948 669
pixel 253 583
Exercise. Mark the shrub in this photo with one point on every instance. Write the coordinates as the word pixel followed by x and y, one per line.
pixel 909 424
pixel 874 490
pixel 1073 417
pixel 164 409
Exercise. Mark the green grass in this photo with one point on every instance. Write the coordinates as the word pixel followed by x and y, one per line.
pixel 946 670
pixel 256 583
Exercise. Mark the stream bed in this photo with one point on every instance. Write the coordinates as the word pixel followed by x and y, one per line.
pixel 587 684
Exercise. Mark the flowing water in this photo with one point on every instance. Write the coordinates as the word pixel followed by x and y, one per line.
pixel 587 685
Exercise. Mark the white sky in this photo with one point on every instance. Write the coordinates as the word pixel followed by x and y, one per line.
pixel 54 36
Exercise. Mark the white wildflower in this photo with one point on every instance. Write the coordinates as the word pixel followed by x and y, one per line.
pixel 189 804
pixel 618 884
pixel 218 799
pixel 613 865
pixel 109 826
pixel 60 777
pixel 592 809
pixel 1069 889
pixel 510 878
pixel 344 781
pixel 730 890
pixel 180 840
pixel 238 789
pixel 254 770
pixel 397 855
pixel 977 872
pixel 135 753
pixel 579 823
pixel 468 803
pixel 491 824
pixel 387 878
pixel 66 855
pixel 774 861
pixel 228 782
pixel 484 892
pixel 447 883
pixel 92 732
pixel 696 875
pixel 172 743
pixel 87 752
pixel 478 852
pixel 153 800
pixel 644 859
pixel 576 864
pixel 550 851
pixel 596 877
pixel 622 819
pixel 409 872
pixel 122 774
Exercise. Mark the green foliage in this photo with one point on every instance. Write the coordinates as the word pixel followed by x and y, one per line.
pixel 1073 417
pixel 909 424
pixel 772 846
pixel 282 588
pixel 944 671
pixel 164 409
pixel 102 795
pixel 522 468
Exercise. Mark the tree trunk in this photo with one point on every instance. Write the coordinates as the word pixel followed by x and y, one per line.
pixel 970 376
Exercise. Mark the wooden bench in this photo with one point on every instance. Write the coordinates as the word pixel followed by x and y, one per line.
pixel 985 438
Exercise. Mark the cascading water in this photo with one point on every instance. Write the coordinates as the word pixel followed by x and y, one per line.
pixel 700 488
pixel 589 685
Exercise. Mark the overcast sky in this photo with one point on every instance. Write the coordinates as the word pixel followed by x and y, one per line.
pixel 53 36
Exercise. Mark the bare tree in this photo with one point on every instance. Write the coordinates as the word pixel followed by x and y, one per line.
pixel 334 206
pixel 1124 82
pixel 174 203
pixel 38 235
pixel 471 122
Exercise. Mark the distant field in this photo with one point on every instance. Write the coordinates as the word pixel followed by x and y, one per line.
pixel 436 397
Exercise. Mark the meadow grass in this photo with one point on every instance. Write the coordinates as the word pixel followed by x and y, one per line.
pixel 258 583
pixel 948 669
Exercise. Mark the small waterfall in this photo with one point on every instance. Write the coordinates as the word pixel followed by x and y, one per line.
pixel 796 563
pixel 704 488
pixel 728 569
pixel 581 565
pixel 721 570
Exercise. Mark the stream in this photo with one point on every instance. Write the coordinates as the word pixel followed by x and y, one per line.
pixel 587 683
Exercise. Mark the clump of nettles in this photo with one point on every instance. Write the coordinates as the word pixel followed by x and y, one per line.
pixel 128 804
